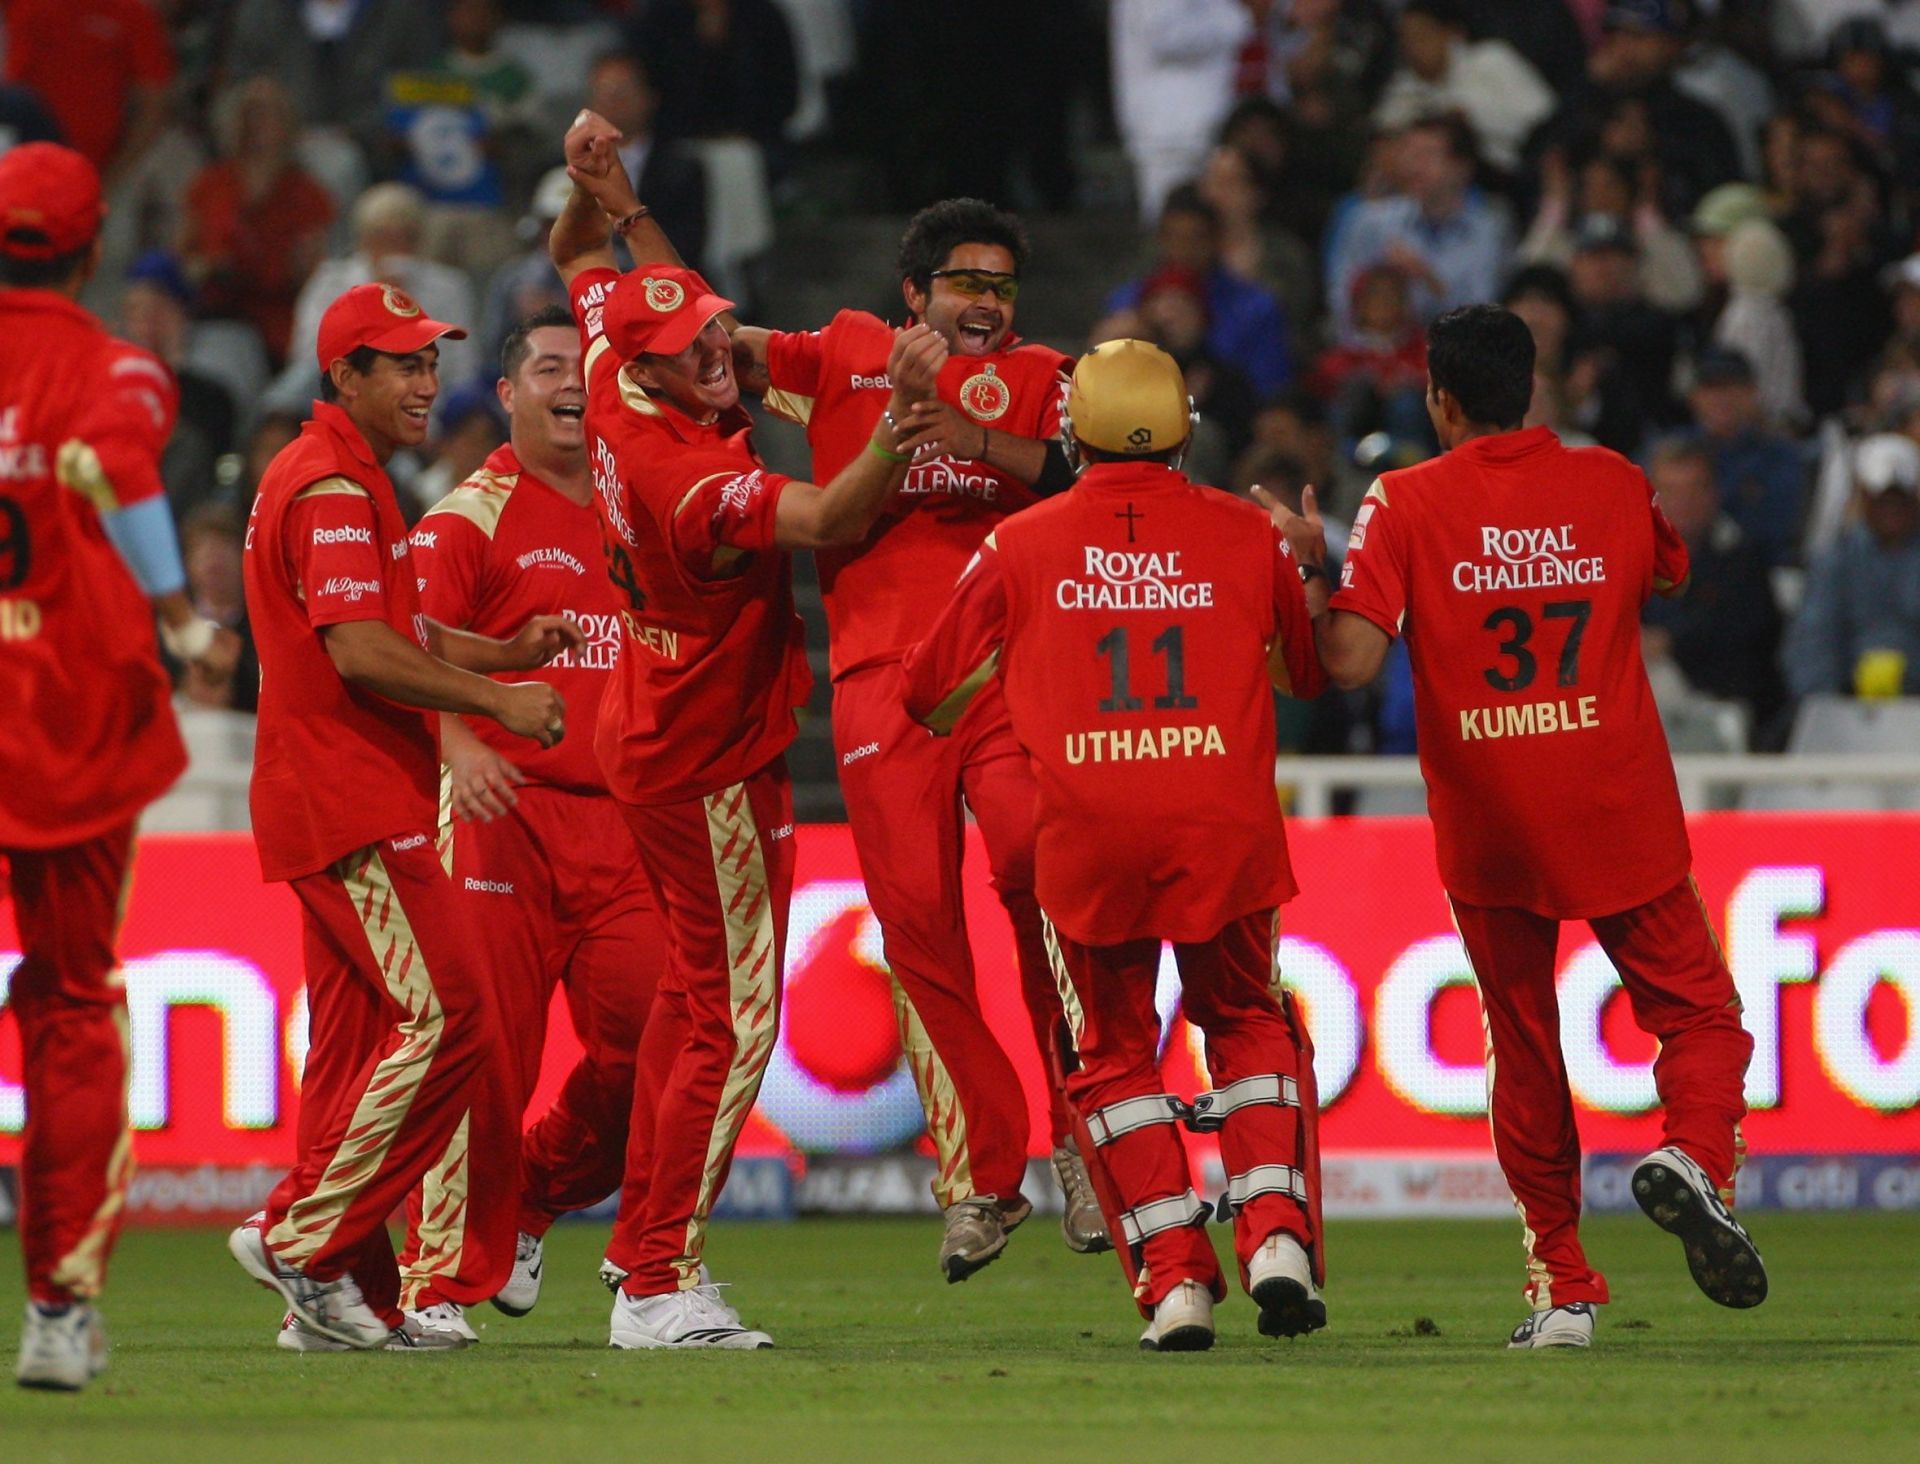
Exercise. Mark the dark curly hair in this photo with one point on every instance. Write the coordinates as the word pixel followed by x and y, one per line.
pixel 1483 354
pixel 939 229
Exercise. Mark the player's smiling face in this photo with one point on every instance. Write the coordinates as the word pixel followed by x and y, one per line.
pixel 960 303
pixel 699 380
pixel 545 398
pixel 391 401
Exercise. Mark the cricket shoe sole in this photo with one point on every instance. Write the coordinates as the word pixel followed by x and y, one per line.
pixel 1679 1197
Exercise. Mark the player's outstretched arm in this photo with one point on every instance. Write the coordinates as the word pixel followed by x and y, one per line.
pixel 371 654
pixel 1351 647
pixel 841 512
pixel 541 639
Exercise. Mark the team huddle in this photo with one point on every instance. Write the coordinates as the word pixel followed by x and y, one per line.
pixel 539 740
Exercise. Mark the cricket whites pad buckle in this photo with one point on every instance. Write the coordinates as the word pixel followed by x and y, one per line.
pixel 1172 1213
pixel 1207 1114
pixel 1117 1120
pixel 1262 1179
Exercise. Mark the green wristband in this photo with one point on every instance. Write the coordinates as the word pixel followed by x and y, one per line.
pixel 893 457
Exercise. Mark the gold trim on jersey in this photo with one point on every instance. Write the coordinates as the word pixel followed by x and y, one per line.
pixel 76 466
pixel 788 404
pixel 1378 492
pixel 1076 1014
pixel 943 718
pixel 939 1100
pixel 634 396
pixel 383 1107
pixel 753 991
pixel 83 1269
pixel 327 487
pixel 442 1233
pixel 480 500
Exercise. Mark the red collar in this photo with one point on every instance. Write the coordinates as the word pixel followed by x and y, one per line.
pixel 333 420
pixel 1132 478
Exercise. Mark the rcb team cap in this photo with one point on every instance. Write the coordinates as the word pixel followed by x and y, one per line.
pixel 1129 397
pixel 49 201
pixel 381 316
pixel 657 310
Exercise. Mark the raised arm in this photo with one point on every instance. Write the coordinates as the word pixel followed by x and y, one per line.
pixel 1351 647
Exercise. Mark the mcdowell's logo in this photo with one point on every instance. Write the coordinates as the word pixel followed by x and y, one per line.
pixel 1123 579
pixel 1528 559
pixel 350 590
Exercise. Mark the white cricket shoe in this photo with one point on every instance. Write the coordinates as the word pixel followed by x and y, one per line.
pixel 611 1276
pixel 1081 1222
pixel 1280 1280
pixel 62 1348
pixel 296 1336
pixel 443 1325
pixel 679 1319
pixel 522 1290
pixel 333 1308
pixel 1679 1197
pixel 976 1231
pixel 1182 1322
pixel 1557 1326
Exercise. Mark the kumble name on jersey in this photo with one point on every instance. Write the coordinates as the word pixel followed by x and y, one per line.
pixel 1529 719
pixel 1528 559
pixel 1122 744
pixel 1125 579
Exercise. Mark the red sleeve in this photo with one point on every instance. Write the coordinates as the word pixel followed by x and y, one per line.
pixel 718 508
pixel 151 55
pixel 794 358
pixel 331 547
pixel 1294 662
pixel 1670 563
pixel 127 427
pixel 947 669
pixel 450 560
pixel 1373 580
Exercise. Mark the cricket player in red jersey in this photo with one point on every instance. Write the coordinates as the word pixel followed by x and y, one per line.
pixel 1137 625
pixel 986 447
pixel 535 843
pixel 1517 568
pixel 404 1034
pixel 695 727
pixel 88 738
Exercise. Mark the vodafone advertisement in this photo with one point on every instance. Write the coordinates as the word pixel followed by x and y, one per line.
pixel 1819 915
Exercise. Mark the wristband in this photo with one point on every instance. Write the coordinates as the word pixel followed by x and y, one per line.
pixel 188 641
pixel 880 452
pixel 1311 572
pixel 627 221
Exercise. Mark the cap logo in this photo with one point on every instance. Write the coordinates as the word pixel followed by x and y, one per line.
pixel 663 296
pixel 398 302
pixel 985 396
pixel 1140 437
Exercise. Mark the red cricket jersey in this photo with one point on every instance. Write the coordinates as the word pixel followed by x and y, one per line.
pixel 1517 568
pixel 87 735
pixel 84 58
pixel 500 549
pixel 335 767
pixel 1138 624
pixel 883 594
pixel 713 658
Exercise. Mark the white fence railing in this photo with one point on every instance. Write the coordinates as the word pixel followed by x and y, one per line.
pixel 213 794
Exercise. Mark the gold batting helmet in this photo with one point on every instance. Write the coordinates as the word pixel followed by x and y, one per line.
pixel 1128 398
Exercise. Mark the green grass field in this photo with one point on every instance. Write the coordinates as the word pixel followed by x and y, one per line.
pixel 1034 1358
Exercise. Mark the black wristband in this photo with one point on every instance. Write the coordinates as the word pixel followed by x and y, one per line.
pixel 1312 572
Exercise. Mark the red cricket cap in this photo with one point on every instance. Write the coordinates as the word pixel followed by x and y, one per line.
pixel 658 309
pixel 381 316
pixel 49 201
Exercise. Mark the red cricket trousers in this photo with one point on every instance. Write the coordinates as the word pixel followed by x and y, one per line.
pixel 1680 990
pixel 1261 1063
pixel 71 1003
pixel 720 870
pixel 556 889
pixel 402 1063
pixel 907 793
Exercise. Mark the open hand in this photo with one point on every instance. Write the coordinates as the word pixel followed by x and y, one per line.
pixel 1305 535
pixel 914 363
pixel 482 781
pixel 935 429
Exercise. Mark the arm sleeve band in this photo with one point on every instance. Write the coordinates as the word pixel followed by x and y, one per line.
pixel 143 533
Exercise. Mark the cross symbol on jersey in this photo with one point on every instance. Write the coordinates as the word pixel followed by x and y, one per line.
pixel 1131 515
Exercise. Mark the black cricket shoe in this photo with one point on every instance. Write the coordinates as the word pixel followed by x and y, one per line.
pixel 1679 1197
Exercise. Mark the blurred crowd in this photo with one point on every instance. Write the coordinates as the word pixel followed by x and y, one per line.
pixel 1707 212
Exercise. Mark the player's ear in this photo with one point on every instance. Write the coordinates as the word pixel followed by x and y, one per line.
pixel 503 388
pixel 341 373
pixel 915 297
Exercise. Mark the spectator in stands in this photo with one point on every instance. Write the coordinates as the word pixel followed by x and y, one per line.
pixel 102 67
pixel 1716 216
pixel 1173 315
pixel 1622 345
pixel 1756 323
pixel 1839 239
pixel 526 284
pixel 1255 244
pixel 666 174
pixel 1722 633
pixel 1247 327
pixel 1865 96
pixel 155 315
pixel 1375 378
pixel 1540 296
pixel 1437 229
pixel 1762 476
pixel 212 539
pixel 724 68
pixel 1604 185
pixel 1298 184
pixel 1858 630
pixel 1486 81
pixel 1173 75
pixel 387 222
pixel 256 221
pixel 334 56
pixel 24 117
pixel 1902 283
pixel 1642 44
